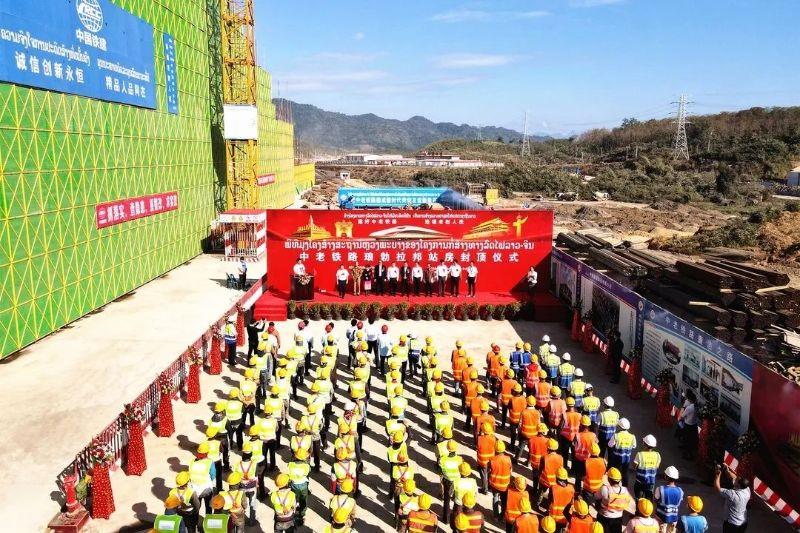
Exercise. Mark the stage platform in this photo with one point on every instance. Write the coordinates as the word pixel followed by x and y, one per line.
pixel 272 305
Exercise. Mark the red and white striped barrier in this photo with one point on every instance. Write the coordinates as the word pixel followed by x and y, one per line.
pixel 770 497
pixel 651 389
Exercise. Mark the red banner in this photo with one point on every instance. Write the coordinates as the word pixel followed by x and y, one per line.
pixel 503 245
pixel 119 211
pixel 266 179
pixel 774 414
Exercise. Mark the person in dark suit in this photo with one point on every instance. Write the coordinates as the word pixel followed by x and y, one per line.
pixel 380 278
pixel 405 279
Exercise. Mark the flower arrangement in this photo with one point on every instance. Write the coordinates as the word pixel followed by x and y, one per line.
pixel 313 312
pixel 436 311
pixel 401 310
pixel 304 279
pixel 389 311
pixel 291 308
pixel 707 411
pixel 132 413
pixel 100 453
pixel 512 310
pixel 487 312
pixel 360 311
pixel 346 311
pixel 748 443
pixel 499 311
pixel 323 310
pixel 165 385
pixel 665 377
pixel 449 311
pixel 194 357
pixel 473 311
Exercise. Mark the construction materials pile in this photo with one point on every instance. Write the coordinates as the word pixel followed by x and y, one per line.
pixel 747 306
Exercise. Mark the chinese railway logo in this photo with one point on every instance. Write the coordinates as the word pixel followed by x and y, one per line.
pixel 91 14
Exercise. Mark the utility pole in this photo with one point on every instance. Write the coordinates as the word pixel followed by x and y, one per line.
pixel 710 137
pixel 680 149
pixel 526 142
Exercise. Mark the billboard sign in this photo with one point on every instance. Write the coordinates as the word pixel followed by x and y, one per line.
pixel 265 179
pixel 564 277
pixel 119 211
pixel 716 372
pixel 89 48
pixel 502 244
pixel 351 197
pixel 171 72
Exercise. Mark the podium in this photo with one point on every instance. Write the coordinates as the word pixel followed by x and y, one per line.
pixel 301 291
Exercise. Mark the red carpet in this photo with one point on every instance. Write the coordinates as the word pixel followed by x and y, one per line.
pixel 272 305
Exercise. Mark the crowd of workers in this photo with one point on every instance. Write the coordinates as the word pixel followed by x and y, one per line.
pixel 522 405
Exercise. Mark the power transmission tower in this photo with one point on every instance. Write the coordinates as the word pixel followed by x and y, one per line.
pixel 680 150
pixel 526 142
pixel 480 132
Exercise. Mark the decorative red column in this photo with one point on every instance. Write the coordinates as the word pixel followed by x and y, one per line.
pixel 587 336
pixel 664 408
pixel 606 351
pixel 195 360
pixel 575 334
pixel 635 378
pixel 215 354
pixel 166 422
pixel 239 325
pixel 102 495
pixel 135 461
pixel 746 446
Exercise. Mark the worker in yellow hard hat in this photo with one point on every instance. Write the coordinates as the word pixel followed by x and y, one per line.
pixel 402 472
pixel 248 471
pixel 169 520
pixel 234 412
pixel 527 521
pixel 423 520
pixel 343 469
pixel 467 484
pixel 343 500
pixel 218 452
pixel 694 521
pixel 415 346
pixel 406 503
pixel 284 503
pixel 235 501
pixel 338 523
pixel 548 525
pixel 644 519
pixel 298 471
pixel 202 474
pixel 614 501
pixel 219 519
pixel 188 501
pixel 449 471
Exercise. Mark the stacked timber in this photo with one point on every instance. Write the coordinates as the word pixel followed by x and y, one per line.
pixel 617 263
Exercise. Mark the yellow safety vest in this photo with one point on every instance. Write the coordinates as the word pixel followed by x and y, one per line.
pixel 283 502
pixel 578 387
pixel 408 503
pixel 185 496
pixel 276 404
pixel 248 390
pixel 300 442
pixel 393 452
pixel 441 449
pixel 221 425
pixel 402 353
pixel 261 362
pixel 463 486
pixel 251 472
pixel 591 404
pixel 298 472
pixel 436 402
pixel 257 454
pixel 442 421
pixel 342 501
pixel 398 401
pixel 402 473
pixel 200 473
pixel 449 466
pixel 234 411
pixel 393 425
pixel 213 450
pixel 267 429
pixel 344 469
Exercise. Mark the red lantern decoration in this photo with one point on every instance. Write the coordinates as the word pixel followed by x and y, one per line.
pixel 166 421
pixel 575 334
pixel 587 345
pixel 635 379
pixel 135 461
pixel 664 417
pixel 215 354
pixel 703 449
pixel 193 382
pixel 239 325
pixel 102 495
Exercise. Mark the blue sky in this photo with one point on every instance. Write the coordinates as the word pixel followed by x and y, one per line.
pixel 572 64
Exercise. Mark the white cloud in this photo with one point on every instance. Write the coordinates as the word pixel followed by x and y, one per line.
pixel 593 3
pixel 479 15
pixel 332 81
pixel 464 61
pixel 359 36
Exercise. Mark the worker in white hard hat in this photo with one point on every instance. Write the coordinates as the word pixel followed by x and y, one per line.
pixel 668 499
pixel 551 363
pixel 646 463
pixel 544 348
pixel 620 449
pixel 607 424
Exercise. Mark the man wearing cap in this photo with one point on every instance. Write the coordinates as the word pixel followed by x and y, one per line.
pixel 506 393
pixel 544 347
pixel 614 500
pixel 218 521
pixel 284 503
pixel 229 336
pixel 499 473
pixel 516 407
pixel 577 389
pixel 235 502
pixel 343 500
pixel 248 470
pixel 552 362
pixel 463 486
pixel 188 501
pixel 580 521
pixel 202 475
pixel 668 500
pixel 646 464
pixel 298 471
pixel 562 493
pixel 595 467
pixel 217 452
pixel 551 464
pixel 515 359
pixel 566 371
pixel 449 470
pixel 620 449
pixel 517 493
pixel 570 425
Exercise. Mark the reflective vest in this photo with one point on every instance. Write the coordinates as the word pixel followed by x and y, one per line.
pixel 441 449
pixel 299 442
pixel 402 473
pixel 442 421
pixel 583 445
pixel 644 525
pixel 623 447
pixel 216 523
pixel 608 423
pixel 526 359
pixel 466 374
pixel 392 452
pixel 515 360
pixel 314 422
pixel 167 523
pixel 449 467
pixel 505 390
pixel 184 496
pixel 260 362
pixel 577 389
pixel 463 486
pixel 529 422
pixel 348 442
pixel 595 471
pixel 230 333
pixel 544 350
pixel 219 422
pixel 542 394
pixel 470 392
pixel 416 346
pixel 394 425
pixel 566 370
pixel 551 363
pixel 213 450
pixel 580 525
pixel 532 375
pixel 357 388
pixel 267 429
pixel 283 502
pixel 258 450
pixel 234 411
pixel 344 470
pixel 526 523
pixel 513 499
pixel 402 353
pixel 200 474
pixel 572 423
pixel 475 521
pixel 248 390
pixel 591 406
pixel 648 462
pixel 484 419
pixel 436 402
pixel 550 465
pixel 342 501
pixel 298 472
pixel 669 504
pixel 398 402
pixel 233 499
pixel 486 446
pixel 475 406
pixel 408 503
pixel 515 408
pixel 537 447
pixel 555 412
pixel 422 522
pixel 249 471
pixel 500 472
pixel 561 498
pixel 618 501
pixel 459 362
pixel 493 364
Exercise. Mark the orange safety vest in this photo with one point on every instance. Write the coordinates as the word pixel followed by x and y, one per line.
pixel 486 444
pixel 422 522
pixel 543 394
pixel 561 498
pixel 500 472
pixel 551 463
pixel 527 523
pixel 493 363
pixel 572 423
pixel 515 408
pixel 475 521
pixel 583 445
pixel 458 362
pixel 466 373
pixel 470 391
pixel 487 418
pixel 475 407
pixel 618 501
pixel 530 420
pixel 580 525
pixel 555 412
pixel 595 471
pixel 513 499
pixel 505 390
pixel 537 447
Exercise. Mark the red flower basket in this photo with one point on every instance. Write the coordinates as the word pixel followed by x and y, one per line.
pixel 166 421
pixel 193 382
pixel 239 325
pixel 102 495
pixel 703 450
pixel 215 354
pixel 635 379
pixel 664 417
pixel 575 334
pixel 135 460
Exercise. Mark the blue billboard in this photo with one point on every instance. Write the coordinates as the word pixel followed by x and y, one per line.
pixel 89 48
pixel 172 73
pixel 353 197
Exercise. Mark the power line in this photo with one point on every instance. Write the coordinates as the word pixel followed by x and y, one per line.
pixel 680 149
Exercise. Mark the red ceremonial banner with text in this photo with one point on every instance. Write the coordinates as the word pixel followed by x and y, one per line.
pixel 127 209
pixel 502 244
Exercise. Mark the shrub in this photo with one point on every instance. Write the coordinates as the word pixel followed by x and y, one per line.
pixel 401 310
pixel 313 312
pixel 499 311
pixel 324 311
pixel 512 310
pixel 389 311
pixel 360 311
pixel 436 311
pixel 413 312
pixel 346 311
pixel 473 311
pixel 461 311
pixel 449 311
pixel 425 311
pixel 792 207
pixel 335 311
pixel 302 310
pixel 374 310
pixel 291 308
pixel 487 311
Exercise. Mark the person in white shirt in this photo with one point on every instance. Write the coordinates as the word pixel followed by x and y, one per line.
pixel 472 275
pixel 455 278
pixel 416 275
pixel 533 278
pixel 688 424
pixel 441 274
pixel 299 269
pixel 384 349
pixel 372 334
pixel 393 275
pixel 342 275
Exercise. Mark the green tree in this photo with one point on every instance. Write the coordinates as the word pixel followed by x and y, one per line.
pixel 725 179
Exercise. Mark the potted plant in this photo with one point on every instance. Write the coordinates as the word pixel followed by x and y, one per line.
pixel 374 310
pixel 487 312
pixel 301 311
pixel 324 311
pixel 413 312
pixel 389 311
pixel 512 310
pixel 313 312
pixel 449 311
pixel 499 311
pixel 425 311
pixel 346 311
pixel 436 311
pixel 401 310
pixel 360 311
pixel 472 311
pixel 291 308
